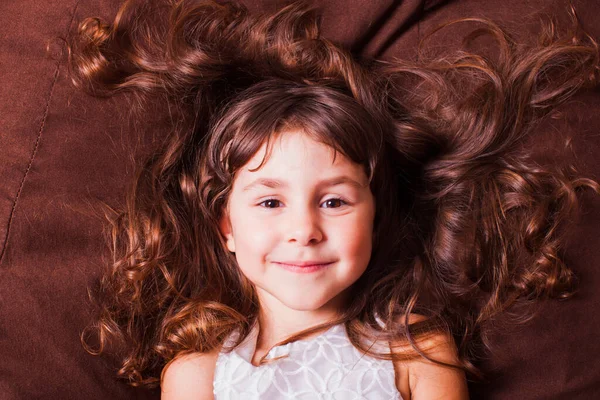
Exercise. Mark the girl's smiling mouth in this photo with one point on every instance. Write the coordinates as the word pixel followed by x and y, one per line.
pixel 304 266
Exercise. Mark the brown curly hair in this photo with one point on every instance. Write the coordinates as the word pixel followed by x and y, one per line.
pixel 466 225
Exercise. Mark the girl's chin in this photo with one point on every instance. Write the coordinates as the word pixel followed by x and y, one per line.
pixel 303 305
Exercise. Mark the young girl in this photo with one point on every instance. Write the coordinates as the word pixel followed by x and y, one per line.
pixel 315 226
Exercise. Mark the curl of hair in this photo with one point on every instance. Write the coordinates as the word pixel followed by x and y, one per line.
pixel 467 224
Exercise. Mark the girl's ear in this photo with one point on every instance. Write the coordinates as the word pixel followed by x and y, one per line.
pixel 226 231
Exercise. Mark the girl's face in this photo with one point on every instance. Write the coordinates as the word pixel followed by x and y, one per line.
pixel 300 226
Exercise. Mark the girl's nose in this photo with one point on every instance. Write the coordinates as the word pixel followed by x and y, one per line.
pixel 304 227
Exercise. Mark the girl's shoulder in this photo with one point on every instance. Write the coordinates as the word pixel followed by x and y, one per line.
pixel 189 377
pixel 421 378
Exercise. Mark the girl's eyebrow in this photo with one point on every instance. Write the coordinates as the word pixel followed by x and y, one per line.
pixel 275 183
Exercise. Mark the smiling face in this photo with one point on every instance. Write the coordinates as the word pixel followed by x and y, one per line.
pixel 300 226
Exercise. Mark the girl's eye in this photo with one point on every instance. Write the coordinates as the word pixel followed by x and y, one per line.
pixel 334 203
pixel 329 203
pixel 270 203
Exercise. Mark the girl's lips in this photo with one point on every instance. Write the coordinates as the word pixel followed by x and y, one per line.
pixel 303 267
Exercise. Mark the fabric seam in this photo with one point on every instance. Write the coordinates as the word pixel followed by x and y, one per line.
pixel 11 215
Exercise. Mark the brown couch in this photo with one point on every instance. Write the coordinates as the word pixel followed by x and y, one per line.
pixel 62 153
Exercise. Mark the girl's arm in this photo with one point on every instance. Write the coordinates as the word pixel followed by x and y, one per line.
pixel 189 377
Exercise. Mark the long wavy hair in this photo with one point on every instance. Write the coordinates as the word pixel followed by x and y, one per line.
pixel 467 224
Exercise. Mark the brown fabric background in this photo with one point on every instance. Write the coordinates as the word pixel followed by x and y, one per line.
pixel 61 153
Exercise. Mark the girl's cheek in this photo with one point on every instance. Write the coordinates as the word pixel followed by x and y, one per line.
pixel 354 236
pixel 260 236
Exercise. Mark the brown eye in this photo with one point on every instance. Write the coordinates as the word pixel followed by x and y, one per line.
pixel 333 203
pixel 270 203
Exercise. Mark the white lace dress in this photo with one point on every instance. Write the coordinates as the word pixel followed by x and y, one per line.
pixel 327 366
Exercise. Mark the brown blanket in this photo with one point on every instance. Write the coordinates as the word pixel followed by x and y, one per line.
pixel 62 153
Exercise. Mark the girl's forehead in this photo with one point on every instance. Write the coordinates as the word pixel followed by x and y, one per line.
pixel 294 156
pixel 297 152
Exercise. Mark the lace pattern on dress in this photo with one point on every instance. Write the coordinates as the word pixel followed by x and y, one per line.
pixel 327 367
